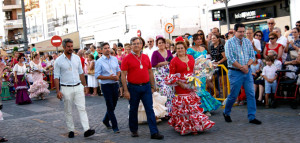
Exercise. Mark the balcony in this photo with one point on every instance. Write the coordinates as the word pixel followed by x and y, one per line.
pixel 11 7
pixel 13 24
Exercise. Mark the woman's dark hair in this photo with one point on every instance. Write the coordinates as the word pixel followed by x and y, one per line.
pixel 160 38
pixel 195 36
pixel 258 31
pixel 218 37
pixel 238 25
pixel 143 41
pixel 50 57
pixel 20 56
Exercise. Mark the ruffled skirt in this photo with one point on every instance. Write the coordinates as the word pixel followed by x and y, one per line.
pixel 5 94
pixel 22 94
pixel 39 86
pixel 187 116
pixel 159 108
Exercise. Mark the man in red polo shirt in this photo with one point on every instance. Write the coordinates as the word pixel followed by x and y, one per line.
pixel 137 67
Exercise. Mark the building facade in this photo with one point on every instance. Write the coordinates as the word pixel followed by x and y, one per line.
pixel 253 13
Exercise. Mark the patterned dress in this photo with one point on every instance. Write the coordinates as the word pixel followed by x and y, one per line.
pixel 209 103
pixel 160 73
pixel 186 115
pixel 39 86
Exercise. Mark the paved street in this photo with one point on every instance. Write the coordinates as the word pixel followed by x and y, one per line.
pixel 43 121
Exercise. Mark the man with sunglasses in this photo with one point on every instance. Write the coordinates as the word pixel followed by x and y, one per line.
pixel 151 48
pixel 266 32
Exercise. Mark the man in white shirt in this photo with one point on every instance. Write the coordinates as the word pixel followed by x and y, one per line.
pixel 256 44
pixel 151 48
pixel 281 40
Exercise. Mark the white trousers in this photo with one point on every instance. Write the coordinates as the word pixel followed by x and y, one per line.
pixel 75 95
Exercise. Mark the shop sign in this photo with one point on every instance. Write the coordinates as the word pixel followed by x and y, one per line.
pixel 218 15
pixel 246 15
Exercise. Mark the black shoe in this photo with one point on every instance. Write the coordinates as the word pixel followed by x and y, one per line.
pixel 89 133
pixel 116 131
pixel 134 134
pixel 157 136
pixel 107 126
pixel 71 134
pixel 227 118
pixel 255 121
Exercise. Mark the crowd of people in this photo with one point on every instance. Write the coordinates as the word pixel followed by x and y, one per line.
pixel 139 69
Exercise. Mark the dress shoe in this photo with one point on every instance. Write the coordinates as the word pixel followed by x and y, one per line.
pixel 157 136
pixel 89 133
pixel 134 134
pixel 116 131
pixel 71 134
pixel 255 121
pixel 227 118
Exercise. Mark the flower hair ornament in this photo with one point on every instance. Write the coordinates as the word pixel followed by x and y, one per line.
pixel 179 39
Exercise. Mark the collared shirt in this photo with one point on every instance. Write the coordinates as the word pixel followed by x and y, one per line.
pixel 105 67
pixel 266 33
pixel 68 71
pixel 234 51
pixel 149 52
pixel 136 74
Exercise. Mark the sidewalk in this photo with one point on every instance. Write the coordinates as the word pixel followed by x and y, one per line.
pixel 43 121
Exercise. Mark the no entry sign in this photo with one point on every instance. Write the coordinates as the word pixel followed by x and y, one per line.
pixel 56 41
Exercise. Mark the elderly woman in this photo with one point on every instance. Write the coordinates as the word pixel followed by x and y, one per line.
pixel 273 46
pixel 293 45
pixel 19 70
pixel 160 61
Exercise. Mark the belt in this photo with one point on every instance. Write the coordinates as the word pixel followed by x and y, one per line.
pixel 70 85
pixel 234 69
pixel 141 84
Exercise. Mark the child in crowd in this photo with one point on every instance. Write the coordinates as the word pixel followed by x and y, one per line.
pixel 258 83
pixel 269 74
pixel 277 63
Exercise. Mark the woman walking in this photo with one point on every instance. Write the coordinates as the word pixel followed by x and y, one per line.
pixel 19 70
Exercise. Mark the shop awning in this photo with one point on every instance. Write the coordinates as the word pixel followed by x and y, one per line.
pixel 45 46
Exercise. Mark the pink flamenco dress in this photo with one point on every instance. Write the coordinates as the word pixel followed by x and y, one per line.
pixel 186 115
pixel 39 88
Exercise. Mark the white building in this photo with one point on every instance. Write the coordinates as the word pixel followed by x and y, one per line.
pixel 118 21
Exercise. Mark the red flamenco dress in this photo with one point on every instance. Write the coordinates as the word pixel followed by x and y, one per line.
pixel 186 116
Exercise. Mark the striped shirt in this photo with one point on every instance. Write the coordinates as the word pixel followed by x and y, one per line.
pixel 234 51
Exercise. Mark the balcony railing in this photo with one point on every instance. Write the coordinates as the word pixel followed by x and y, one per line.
pixel 13 24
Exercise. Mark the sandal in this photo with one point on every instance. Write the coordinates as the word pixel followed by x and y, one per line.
pixel 3 139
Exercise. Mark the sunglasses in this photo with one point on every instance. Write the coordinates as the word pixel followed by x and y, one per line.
pixel 297 25
pixel 271 38
pixel 258 35
pixel 150 41
pixel 201 34
pixel 270 23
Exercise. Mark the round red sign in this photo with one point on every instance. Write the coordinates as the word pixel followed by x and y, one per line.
pixel 56 41
pixel 139 33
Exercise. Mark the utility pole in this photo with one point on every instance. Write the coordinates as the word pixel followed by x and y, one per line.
pixel 24 26
pixel 227 13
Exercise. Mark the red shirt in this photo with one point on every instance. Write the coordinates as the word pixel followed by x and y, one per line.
pixel 276 49
pixel 82 62
pixel 135 74
pixel 177 66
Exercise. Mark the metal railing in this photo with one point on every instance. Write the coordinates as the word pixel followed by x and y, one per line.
pixel 224 95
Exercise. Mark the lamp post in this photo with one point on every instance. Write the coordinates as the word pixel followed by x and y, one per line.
pixel 227 13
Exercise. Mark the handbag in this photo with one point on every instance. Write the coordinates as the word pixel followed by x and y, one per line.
pixel 293 54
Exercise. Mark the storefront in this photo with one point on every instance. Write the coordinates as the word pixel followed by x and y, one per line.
pixel 255 16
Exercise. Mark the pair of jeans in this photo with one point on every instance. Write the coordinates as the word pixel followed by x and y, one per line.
pixel 237 79
pixel 111 95
pixel 144 93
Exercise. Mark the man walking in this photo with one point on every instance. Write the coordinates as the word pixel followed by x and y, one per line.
pixel 68 72
pixel 137 67
pixel 240 55
pixel 108 71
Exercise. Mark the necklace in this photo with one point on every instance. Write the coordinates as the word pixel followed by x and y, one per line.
pixel 141 66
pixel 187 65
